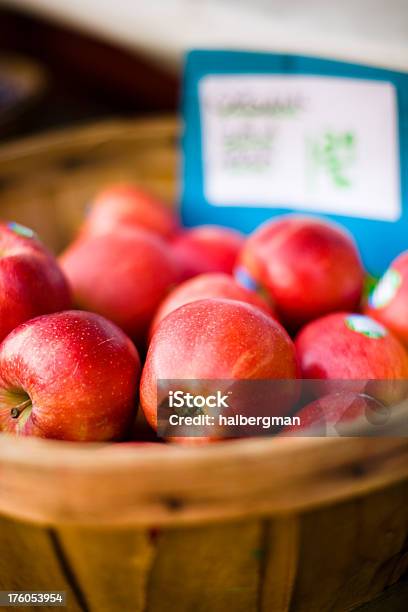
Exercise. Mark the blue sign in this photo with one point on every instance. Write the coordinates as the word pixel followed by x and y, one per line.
pixel 267 134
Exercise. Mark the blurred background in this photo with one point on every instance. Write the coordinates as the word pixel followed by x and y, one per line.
pixel 86 59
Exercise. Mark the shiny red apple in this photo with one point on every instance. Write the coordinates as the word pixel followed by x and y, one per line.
pixel 123 276
pixel 344 347
pixel 72 375
pixel 308 266
pixel 218 340
pixel 203 286
pixel 388 302
pixel 207 248
pixel 31 282
pixel 130 206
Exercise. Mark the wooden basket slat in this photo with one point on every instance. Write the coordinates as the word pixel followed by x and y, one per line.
pixel 111 567
pixel 352 551
pixel 280 564
pixel 210 568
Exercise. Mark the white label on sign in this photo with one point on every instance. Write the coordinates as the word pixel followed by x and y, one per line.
pixel 319 144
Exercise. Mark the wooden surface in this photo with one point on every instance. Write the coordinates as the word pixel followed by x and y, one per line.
pixel 275 525
pixel 88 78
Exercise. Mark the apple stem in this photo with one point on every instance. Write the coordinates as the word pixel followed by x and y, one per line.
pixel 17 410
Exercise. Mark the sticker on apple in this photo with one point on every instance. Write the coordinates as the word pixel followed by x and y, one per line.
pixel 386 289
pixel 21 230
pixel 243 278
pixel 365 326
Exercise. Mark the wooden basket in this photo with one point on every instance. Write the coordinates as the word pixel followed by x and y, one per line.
pixel 272 525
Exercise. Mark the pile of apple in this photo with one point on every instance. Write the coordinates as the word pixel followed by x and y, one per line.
pixel 136 298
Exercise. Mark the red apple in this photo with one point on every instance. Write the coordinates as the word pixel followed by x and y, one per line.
pixel 72 375
pixel 207 248
pixel 130 206
pixel 388 303
pixel 333 414
pixel 308 266
pixel 212 285
pixel 123 276
pixel 217 340
pixel 31 282
pixel 342 347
